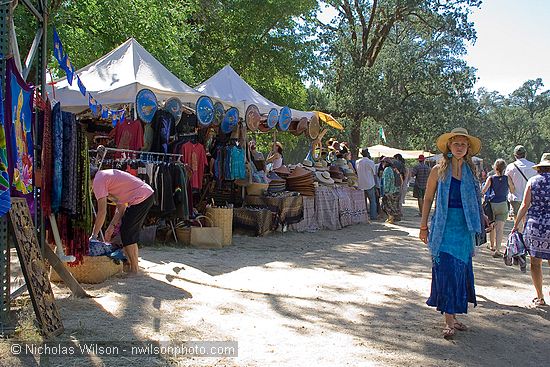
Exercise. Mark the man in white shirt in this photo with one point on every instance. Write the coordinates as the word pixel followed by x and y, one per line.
pixel 365 174
pixel 519 171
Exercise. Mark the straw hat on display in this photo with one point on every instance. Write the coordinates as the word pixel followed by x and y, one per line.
pixel 301 126
pixel 324 178
pixel 475 143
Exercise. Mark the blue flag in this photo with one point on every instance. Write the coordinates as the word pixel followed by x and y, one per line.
pixel 81 86
pixel 92 104
pixel 104 113
pixel 58 49
pixel 69 70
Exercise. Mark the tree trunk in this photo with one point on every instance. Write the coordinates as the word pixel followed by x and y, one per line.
pixel 355 138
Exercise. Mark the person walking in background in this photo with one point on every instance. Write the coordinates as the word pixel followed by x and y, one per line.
pixel 499 185
pixel 399 164
pixel 457 218
pixel 536 208
pixel 520 172
pixel 366 173
pixel 421 172
pixel 390 200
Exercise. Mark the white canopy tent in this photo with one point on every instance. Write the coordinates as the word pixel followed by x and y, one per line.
pixel 118 76
pixel 382 150
pixel 227 85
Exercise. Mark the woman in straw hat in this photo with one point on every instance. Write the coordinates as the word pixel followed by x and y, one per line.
pixel 536 204
pixel 275 157
pixel 457 218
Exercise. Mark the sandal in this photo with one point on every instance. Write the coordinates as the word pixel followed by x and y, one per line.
pixel 538 302
pixel 460 326
pixel 448 332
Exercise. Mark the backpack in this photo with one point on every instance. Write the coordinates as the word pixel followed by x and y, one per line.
pixel 397 180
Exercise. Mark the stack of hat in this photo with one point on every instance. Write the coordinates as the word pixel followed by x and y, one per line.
pixel 336 174
pixel 307 164
pixel 301 180
pixel 351 176
pixel 276 183
pixel 282 172
pixel 321 166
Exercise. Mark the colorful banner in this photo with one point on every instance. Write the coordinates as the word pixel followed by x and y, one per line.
pixel 5 201
pixel 66 65
pixel 18 124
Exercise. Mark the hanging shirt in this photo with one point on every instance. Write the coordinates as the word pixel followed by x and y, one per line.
pixel 195 156
pixel 128 135
pixel 238 169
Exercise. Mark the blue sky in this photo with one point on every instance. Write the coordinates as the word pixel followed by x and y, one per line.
pixel 513 43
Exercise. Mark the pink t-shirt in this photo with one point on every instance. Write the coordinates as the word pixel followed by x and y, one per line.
pixel 121 186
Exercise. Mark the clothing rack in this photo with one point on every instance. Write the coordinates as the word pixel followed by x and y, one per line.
pixel 102 152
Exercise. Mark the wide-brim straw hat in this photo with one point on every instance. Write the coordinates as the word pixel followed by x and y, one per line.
pixel 299 172
pixel 475 143
pixel 544 161
pixel 282 171
pixel 301 126
pixel 324 178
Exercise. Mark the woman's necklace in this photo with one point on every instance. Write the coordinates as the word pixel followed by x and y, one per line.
pixel 456 163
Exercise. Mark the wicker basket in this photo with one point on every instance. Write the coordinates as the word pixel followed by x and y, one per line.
pixel 93 270
pixel 223 218
pixel 256 189
pixel 184 235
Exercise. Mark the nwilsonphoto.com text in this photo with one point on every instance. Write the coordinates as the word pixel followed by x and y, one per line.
pixel 128 348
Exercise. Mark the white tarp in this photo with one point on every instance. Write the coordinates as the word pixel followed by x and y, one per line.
pixel 227 85
pixel 118 76
pixel 382 150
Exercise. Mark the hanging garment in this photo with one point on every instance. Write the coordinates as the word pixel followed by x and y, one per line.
pixel 57 181
pixel 238 168
pixel 5 201
pixel 163 128
pixel 19 119
pixel 128 135
pixel 195 156
pixel 47 161
pixel 70 163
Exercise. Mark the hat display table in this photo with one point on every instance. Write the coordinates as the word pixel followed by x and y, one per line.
pixel 332 208
pixel 261 221
pixel 289 208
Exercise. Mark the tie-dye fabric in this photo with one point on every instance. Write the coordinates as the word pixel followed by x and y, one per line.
pixel 19 121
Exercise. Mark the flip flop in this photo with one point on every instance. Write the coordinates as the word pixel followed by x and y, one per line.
pixel 448 332
pixel 539 302
pixel 460 326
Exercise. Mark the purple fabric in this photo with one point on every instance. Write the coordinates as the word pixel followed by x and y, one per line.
pixel 19 121
pixel 537 228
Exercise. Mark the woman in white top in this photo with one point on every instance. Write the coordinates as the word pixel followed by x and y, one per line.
pixel 275 157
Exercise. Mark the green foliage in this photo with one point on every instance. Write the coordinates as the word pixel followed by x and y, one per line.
pixel 521 118
pixel 396 62
pixel 269 43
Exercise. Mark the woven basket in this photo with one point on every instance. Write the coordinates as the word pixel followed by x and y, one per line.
pixel 256 189
pixel 184 235
pixel 93 270
pixel 223 218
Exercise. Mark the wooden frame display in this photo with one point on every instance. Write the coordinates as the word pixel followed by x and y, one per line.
pixel 34 270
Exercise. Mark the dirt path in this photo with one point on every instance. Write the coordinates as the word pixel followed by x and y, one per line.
pixel 354 297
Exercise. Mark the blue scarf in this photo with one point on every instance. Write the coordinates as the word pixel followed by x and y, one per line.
pixel 471 204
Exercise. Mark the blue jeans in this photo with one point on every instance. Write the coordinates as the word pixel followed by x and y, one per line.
pixel 370 194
